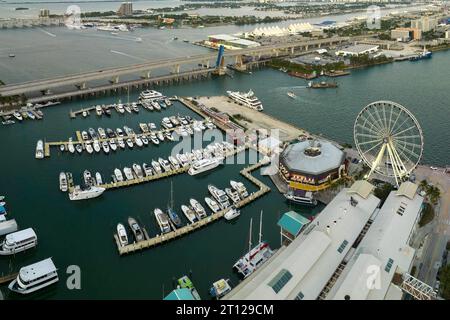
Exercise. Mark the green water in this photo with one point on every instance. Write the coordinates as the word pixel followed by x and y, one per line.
pixel 80 233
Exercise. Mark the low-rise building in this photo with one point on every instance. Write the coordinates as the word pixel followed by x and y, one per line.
pixel 302 269
pixel 357 50
pixel 384 251
pixel 406 34
pixel 230 42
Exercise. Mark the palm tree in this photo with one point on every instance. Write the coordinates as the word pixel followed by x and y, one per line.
pixel 423 184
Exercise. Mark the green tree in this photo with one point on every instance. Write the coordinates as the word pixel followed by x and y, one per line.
pixel 445 282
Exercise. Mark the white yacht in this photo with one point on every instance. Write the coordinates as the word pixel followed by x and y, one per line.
pixel 189 213
pixel 174 162
pixel 138 142
pixel 182 159
pixel 122 234
pixel 97 146
pixel 98 178
pixel 129 143
pixel 219 195
pixel 164 164
pixel 88 181
pixel 102 133
pixel 18 241
pixel 63 182
pixel 118 174
pixel 136 229
pixel 151 95
pixel 198 208
pixel 34 277
pixel 40 149
pixel 89 148
pixel 105 147
pixel 162 219
pixel 138 171
pixel 247 99
pixel 166 123
pixel 212 204
pixel 240 188
pixel 83 194
pixel 231 214
pixel 147 169
pixel 204 165
pixel 128 173
pixel 121 143
pixel 156 167
pixel 120 109
pixel 233 195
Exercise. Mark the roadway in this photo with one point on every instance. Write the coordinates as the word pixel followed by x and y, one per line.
pixel 110 73
pixel 438 231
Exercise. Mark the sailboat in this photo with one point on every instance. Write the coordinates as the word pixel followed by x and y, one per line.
pixel 172 214
pixel 256 256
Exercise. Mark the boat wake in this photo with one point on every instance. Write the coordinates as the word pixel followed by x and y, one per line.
pixel 128 55
pixel 47 33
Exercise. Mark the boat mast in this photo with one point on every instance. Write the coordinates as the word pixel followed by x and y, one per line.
pixel 260 227
pixel 250 236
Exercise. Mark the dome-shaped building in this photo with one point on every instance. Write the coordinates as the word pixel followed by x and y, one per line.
pixel 311 164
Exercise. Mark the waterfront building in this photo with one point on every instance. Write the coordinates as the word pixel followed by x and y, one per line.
pixel 125 9
pixel 311 165
pixel 291 224
pixel 230 42
pixel 44 13
pixel 406 34
pixel 425 23
pixel 357 50
pixel 303 268
pixel 180 294
pixel 384 253
pixel 269 146
pixel 276 31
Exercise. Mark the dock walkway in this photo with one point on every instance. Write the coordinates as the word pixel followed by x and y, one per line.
pixel 160 239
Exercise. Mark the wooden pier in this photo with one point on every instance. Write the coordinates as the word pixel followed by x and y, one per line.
pixel 8 278
pixel 162 238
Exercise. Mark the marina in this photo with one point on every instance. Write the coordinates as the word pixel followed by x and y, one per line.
pixel 152 242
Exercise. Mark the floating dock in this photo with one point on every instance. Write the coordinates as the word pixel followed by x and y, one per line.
pixel 160 239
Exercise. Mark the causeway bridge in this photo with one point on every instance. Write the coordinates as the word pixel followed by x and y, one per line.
pixel 112 75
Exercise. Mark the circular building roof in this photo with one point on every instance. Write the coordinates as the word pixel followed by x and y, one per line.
pixel 312 157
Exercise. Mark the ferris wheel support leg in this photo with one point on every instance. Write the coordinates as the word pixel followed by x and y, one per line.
pixel 403 170
pixel 394 164
pixel 377 160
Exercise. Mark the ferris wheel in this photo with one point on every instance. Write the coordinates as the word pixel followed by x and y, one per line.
pixel 389 139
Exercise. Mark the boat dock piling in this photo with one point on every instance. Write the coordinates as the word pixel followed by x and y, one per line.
pixel 162 238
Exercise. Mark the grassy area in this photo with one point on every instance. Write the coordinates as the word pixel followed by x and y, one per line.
pixel 427 215
pixel 240 117
pixel 296 67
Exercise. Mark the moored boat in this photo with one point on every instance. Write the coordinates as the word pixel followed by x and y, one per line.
pixel 63 182
pixel 162 220
pixel 122 234
pixel 198 208
pixel 34 277
pixel 189 213
pixel 136 229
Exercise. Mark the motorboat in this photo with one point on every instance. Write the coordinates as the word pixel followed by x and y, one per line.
pixel 98 110
pixel 144 141
pixel 212 204
pixel 79 148
pixel 198 208
pixel 62 148
pixel 110 133
pixel 151 95
pixel 220 288
pixel 84 136
pixel 102 133
pixel 160 136
pixel 88 180
pixel 89 148
pixel 136 229
pixel 233 195
pixel 156 167
pixel 113 145
pixel 63 186
pixel 220 196
pixel 182 159
pixel 162 220
pixel 168 136
pixel 138 142
pixel 119 132
pixel 154 139
pixel 174 163
pixel 174 217
pixel 127 108
pixel 121 143
pixel 118 174
pixel 39 150
pixel 96 146
pixel 232 213
pixel 138 171
pixel 147 170
pixel 70 146
pixel 156 105
pixel 35 277
pixel 93 134
pixel 105 147
pixel 204 165
pixel 90 192
pixel 189 213
pixel 164 164
pixel 17 115
pixel 240 188
pixel 98 178
pixel 128 173
pixel 152 126
pixel 130 143
pixel 144 127
pixel 166 123
pixel 134 107
pixel 120 109
pixel 168 102
pixel 122 234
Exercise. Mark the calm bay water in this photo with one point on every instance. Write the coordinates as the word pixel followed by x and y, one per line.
pixel 80 233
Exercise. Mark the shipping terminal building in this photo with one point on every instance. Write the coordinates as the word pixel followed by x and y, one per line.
pixel 352 250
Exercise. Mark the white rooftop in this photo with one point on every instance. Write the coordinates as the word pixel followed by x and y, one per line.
pixel 302 269
pixel 224 37
pixel 37 269
pixel 20 235
pixel 386 245
pixel 330 157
